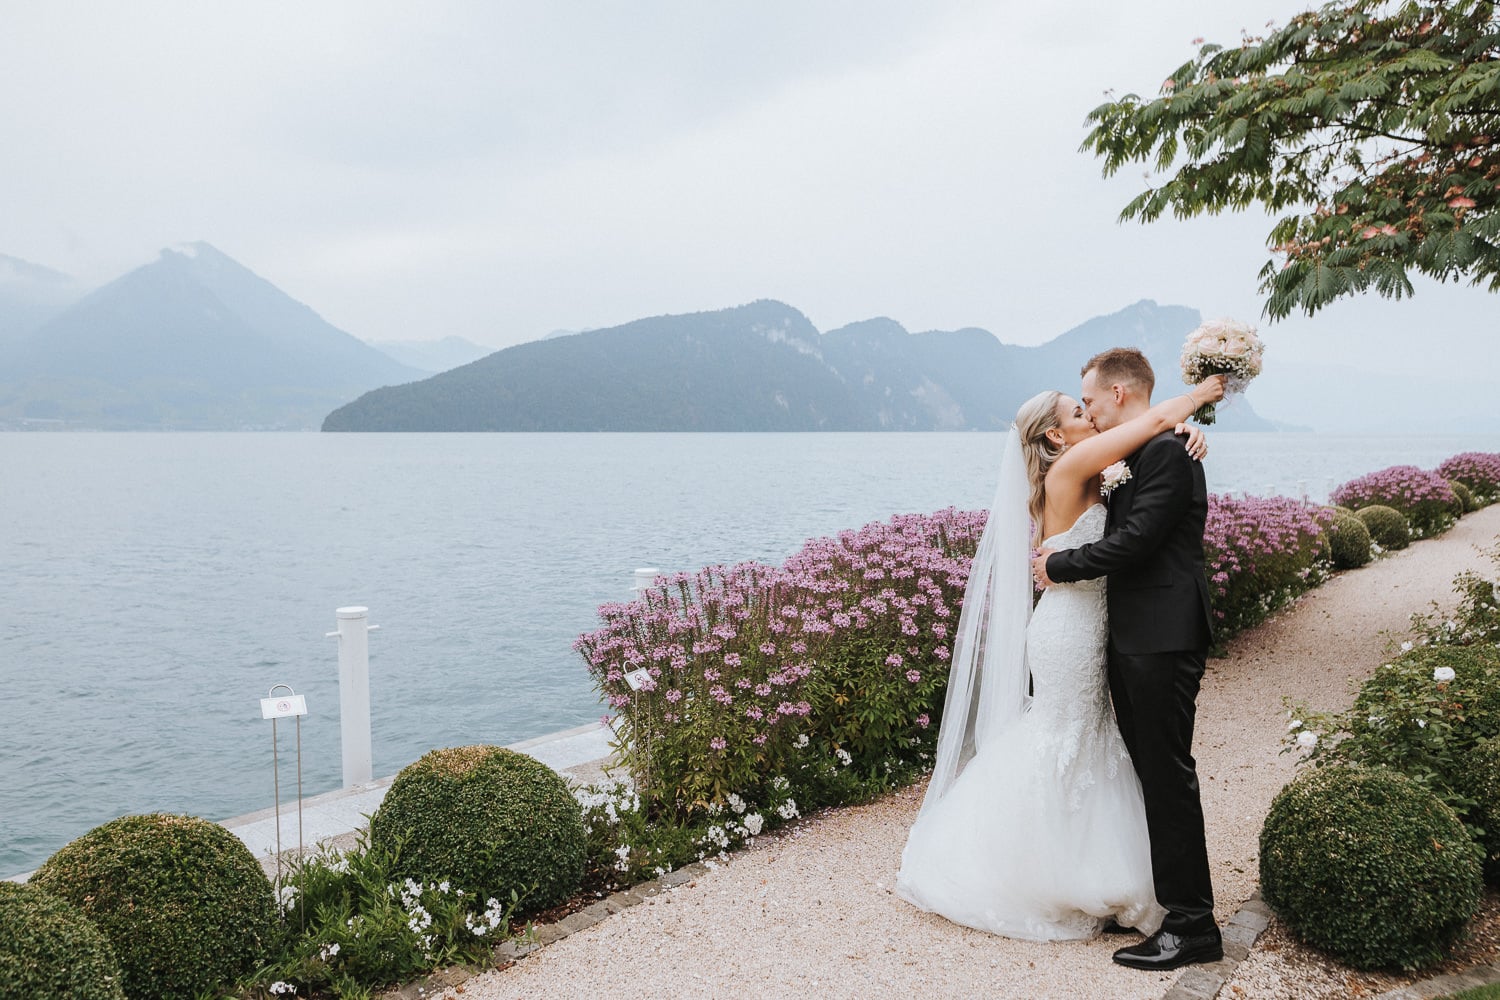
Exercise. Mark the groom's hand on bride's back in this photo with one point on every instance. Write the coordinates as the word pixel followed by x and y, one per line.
pixel 1039 569
pixel 1195 440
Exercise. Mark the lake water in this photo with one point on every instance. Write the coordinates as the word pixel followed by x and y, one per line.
pixel 155 586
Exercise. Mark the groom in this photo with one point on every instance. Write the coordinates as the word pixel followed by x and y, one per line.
pixel 1159 633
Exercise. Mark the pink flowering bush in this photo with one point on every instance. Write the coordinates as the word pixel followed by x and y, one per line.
pixel 1260 553
pixel 1478 470
pixel 1423 497
pixel 738 667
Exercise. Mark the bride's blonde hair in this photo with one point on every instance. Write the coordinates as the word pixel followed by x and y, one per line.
pixel 1034 419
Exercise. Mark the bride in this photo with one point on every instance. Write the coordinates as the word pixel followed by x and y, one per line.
pixel 1033 824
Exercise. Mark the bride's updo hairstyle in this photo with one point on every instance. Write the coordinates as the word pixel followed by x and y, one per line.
pixel 1034 419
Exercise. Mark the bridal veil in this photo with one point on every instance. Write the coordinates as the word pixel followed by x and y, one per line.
pixel 988 680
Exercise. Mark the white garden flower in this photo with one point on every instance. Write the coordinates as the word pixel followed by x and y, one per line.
pixel 736 803
pixel 1421 723
pixel 788 809
pixel 1442 674
pixel 843 756
pixel 801 741
pixel 279 987
pixel 1406 647
pixel 1294 725
pixel 753 823
pixel 1307 739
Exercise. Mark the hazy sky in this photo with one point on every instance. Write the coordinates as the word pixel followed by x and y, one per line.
pixel 502 170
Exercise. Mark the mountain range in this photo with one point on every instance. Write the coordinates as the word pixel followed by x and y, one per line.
pixel 765 367
pixel 194 340
pixel 191 341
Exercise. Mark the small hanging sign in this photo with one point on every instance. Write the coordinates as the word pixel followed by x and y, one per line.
pixel 637 678
pixel 281 706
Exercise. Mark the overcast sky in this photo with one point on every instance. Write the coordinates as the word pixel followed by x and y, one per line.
pixel 502 170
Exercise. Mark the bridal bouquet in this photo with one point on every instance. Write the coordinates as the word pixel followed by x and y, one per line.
pixel 1221 347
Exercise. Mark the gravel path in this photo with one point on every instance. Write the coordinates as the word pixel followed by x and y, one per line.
pixel 811 912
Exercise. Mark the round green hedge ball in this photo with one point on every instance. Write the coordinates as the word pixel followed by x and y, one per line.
pixel 1388 527
pixel 183 902
pixel 1369 866
pixel 48 948
pixel 1348 542
pixel 487 819
pixel 1464 502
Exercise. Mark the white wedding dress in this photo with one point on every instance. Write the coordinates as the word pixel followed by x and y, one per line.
pixel 1042 835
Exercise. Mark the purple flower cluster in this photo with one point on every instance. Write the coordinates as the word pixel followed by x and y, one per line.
pixel 1259 553
pixel 1478 470
pixel 846 642
pixel 1424 497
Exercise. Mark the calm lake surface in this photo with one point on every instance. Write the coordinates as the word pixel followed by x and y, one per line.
pixel 155 586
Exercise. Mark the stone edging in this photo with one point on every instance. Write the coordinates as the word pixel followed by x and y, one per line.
pixel 1203 982
pixel 1442 986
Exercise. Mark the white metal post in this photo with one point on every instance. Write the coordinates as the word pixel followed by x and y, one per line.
pixel 354 693
pixel 644 578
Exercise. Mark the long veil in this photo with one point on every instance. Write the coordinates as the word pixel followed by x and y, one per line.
pixel 988 679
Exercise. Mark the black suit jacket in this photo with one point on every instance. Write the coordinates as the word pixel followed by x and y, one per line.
pixel 1152 552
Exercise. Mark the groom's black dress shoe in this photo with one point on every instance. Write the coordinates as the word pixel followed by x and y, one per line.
pixel 1113 926
pixel 1165 950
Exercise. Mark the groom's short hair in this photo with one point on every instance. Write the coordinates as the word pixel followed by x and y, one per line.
pixel 1122 365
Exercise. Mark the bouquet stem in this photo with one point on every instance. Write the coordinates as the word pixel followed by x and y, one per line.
pixel 1205 414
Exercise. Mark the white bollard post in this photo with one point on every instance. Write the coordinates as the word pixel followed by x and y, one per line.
pixel 354 693
pixel 1270 489
pixel 644 578
pixel 1302 490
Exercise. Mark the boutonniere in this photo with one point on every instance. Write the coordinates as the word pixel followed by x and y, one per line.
pixel 1113 477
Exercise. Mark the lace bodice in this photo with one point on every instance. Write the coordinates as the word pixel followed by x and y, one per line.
pixel 1065 651
pixel 1088 528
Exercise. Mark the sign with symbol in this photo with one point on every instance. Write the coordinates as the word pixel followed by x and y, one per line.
pixel 638 679
pixel 282 706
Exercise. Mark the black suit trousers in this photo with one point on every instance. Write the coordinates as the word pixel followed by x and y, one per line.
pixel 1155 704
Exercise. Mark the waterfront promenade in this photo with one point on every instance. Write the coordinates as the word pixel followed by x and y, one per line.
pixel 811 912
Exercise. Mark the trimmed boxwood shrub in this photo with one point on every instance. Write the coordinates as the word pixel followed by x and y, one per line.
pixel 1465 496
pixel 183 902
pixel 1348 541
pixel 48 948
pixel 1481 782
pixel 1423 497
pixel 1368 865
pixel 488 819
pixel 1387 526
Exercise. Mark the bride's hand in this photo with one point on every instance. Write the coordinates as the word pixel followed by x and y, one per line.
pixel 1210 390
pixel 1197 441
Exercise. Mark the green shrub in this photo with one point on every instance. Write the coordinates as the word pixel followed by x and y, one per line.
pixel 1368 865
pixel 48 948
pixel 350 923
pixel 182 901
pixel 1348 542
pixel 1406 718
pixel 1466 504
pixel 1387 526
pixel 489 819
pixel 1480 782
pixel 1422 497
